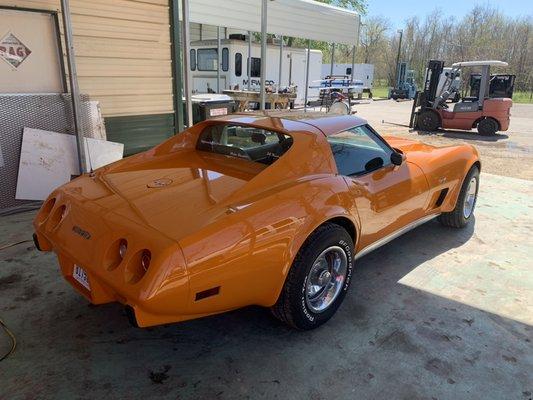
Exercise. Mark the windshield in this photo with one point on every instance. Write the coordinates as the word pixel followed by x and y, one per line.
pixel 245 142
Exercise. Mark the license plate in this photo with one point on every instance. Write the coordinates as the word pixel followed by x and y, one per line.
pixel 218 111
pixel 81 276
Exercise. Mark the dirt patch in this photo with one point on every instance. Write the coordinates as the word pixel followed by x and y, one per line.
pixel 30 292
pixel 9 280
pixel 159 376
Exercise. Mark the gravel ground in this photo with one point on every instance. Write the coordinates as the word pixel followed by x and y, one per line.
pixel 508 153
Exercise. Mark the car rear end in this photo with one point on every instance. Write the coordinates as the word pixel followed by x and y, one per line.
pixel 108 257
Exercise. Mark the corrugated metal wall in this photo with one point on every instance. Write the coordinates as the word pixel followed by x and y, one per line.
pixel 123 58
pixel 123 52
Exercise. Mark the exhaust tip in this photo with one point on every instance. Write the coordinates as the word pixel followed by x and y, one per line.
pixel 130 314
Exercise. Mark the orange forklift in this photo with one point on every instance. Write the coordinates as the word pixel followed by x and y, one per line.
pixel 487 108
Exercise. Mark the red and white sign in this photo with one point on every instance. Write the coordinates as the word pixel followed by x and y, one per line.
pixel 13 51
pixel 214 112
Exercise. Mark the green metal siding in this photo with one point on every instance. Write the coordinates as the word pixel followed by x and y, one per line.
pixel 139 132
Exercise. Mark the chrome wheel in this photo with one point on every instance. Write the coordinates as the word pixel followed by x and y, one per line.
pixel 470 198
pixel 326 278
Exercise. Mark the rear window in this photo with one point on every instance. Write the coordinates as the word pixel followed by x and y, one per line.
pixel 245 142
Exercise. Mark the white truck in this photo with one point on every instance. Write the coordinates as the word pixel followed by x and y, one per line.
pixel 234 71
pixel 362 72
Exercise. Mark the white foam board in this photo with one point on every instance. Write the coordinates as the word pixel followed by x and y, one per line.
pixel 49 159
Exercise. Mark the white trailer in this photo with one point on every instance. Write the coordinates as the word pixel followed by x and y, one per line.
pixel 234 68
pixel 362 72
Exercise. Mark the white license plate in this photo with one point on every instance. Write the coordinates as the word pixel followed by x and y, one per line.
pixel 81 276
pixel 218 111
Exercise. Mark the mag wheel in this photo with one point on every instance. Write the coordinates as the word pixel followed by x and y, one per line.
pixel 466 202
pixel 318 279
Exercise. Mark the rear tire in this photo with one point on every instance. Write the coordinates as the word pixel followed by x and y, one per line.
pixel 302 304
pixel 428 121
pixel 466 202
pixel 487 127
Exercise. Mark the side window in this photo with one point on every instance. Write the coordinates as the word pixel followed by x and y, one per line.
pixel 349 71
pixel 238 64
pixel 207 60
pixel 192 56
pixel 359 150
pixel 256 68
pixel 225 59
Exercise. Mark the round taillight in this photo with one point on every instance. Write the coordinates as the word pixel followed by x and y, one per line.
pixel 137 266
pixel 56 217
pixel 115 254
pixel 122 248
pixel 46 209
pixel 146 257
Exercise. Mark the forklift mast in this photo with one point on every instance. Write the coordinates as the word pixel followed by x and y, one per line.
pixel 402 71
pixel 432 78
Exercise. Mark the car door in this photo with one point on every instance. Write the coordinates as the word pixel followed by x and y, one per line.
pixel 387 196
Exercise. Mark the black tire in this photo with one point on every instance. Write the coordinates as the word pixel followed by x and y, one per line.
pixel 487 127
pixel 292 307
pixel 428 121
pixel 456 218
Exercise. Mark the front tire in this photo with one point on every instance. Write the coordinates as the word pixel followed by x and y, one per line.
pixel 428 121
pixel 318 279
pixel 466 202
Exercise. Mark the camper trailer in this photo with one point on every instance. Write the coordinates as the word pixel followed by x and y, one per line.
pixel 234 68
pixel 362 73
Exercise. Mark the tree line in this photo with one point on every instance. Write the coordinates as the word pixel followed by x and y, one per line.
pixel 484 33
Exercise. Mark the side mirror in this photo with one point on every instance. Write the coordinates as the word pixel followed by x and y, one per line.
pixel 397 158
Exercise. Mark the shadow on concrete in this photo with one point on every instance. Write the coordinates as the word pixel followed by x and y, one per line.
pixel 466 135
pixel 388 341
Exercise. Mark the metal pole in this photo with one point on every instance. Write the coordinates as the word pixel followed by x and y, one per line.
pixel 187 90
pixel 332 58
pixel 307 73
pixel 398 57
pixel 177 72
pixel 219 58
pixel 353 62
pixel 74 88
pixel 249 59
pixel 263 52
pixel 280 61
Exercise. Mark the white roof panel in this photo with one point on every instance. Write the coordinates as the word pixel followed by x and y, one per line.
pixel 494 63
pixel 306 19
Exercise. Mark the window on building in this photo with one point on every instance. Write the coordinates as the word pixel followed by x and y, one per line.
pixel 225 59
pixel 207 60
pixel 238 64
pixel 192 55
pixel 256 68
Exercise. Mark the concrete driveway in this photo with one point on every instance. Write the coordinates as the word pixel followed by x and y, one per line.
pixel 436 314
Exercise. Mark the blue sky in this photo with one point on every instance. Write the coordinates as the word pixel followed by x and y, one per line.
pixel 397 11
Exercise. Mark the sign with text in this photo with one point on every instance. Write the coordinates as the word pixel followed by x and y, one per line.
pixel 13 51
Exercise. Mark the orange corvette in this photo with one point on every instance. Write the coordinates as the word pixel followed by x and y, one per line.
pixel 249 210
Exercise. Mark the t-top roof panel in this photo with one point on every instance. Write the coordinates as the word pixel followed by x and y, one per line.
pixel 299 18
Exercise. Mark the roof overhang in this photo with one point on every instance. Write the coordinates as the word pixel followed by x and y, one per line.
pixel 492 63
pixel 306 19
